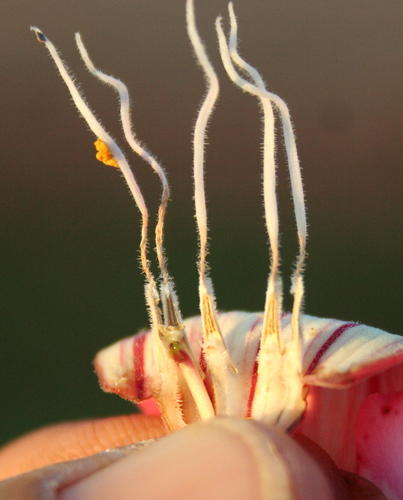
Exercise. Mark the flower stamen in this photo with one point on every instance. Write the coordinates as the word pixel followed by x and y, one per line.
pixel 172 351
pixel 169 385
pixel 137 147
pixel 273 296
pixel 171 332
pixel 221 367
pixel 279 376
pixel 110 144
pixel 297 190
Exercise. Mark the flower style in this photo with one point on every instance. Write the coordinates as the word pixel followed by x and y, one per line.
pixel 339 383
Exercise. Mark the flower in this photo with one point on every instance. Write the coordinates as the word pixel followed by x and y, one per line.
pixel 339 383
pixel 353 375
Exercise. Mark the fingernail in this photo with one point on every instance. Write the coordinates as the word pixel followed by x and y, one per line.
pixel 224 458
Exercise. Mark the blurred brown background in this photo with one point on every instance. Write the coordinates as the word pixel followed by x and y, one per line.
pixel 69 277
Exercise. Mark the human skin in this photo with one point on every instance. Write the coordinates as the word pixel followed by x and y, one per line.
pixel 224 458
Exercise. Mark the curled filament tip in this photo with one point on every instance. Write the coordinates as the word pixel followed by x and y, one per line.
pixel 39 34
pixel 171 346
pixel 108 146
pixel 138 148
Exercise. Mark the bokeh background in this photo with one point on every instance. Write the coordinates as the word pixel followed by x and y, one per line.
pixel 69 277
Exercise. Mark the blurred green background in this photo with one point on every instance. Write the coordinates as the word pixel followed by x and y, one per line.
pixel 70 283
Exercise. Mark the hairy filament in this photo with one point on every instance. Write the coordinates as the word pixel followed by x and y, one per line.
pixel 99 131
pixel 169 386
pixel 297 287
pixel 170 338
pixel 137 147
pixel 223 372
pixel 229 54
pixel 271 324
pixel 278 396
pixel 199 137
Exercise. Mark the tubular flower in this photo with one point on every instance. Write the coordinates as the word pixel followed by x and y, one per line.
pixel 339 383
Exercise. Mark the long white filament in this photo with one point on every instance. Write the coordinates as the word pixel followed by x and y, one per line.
pixel 269 164
pixel 271 324
pixel 292 156
pixel 223 373
pixel 99 131
pixel 200 131
pixel 137 147
pixel 289 137
pixel 189 371
pixel 278 397
pixel 229 53
pixel 168 392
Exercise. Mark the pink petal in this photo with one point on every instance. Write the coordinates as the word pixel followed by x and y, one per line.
pixel 380 442
pixel 331 415
pixel 344 363
pixel 149 407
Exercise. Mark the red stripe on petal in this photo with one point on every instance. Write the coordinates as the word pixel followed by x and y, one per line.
pixel 253 375
pixel 206 381
pixel 252 389
pixel 328 343
pixel 138 356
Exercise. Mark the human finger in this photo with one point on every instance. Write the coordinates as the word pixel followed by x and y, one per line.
pixel 73 440
pixel 223 458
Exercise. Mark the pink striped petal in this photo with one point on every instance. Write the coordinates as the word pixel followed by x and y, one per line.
pixel 331 416
pixel 344 363
pixel 338 354
pixel 126 368
pixel 380 442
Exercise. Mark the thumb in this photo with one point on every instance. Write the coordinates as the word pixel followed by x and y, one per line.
pixel 224 458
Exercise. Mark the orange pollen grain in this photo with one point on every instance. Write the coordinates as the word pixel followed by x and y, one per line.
pixel 104 155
